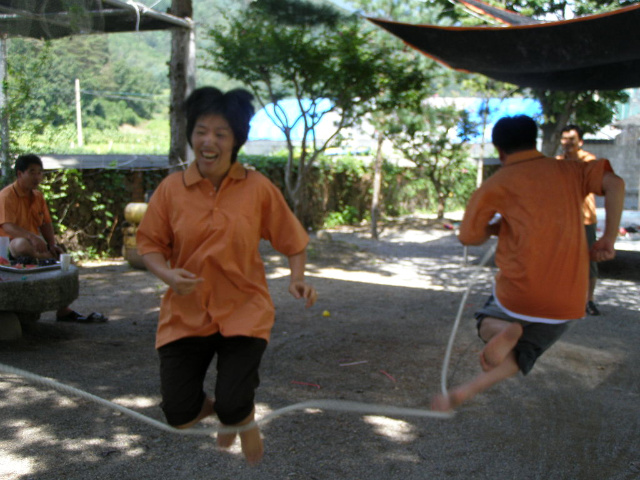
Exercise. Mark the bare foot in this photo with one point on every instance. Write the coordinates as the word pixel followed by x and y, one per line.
pixel 225 440
pixel 497 349
pixel 446 403
pixel 252 446
pixel 205 411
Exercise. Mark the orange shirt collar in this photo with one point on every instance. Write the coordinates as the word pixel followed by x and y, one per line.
pixel 523 156
pixel 20 191
pixel 192 174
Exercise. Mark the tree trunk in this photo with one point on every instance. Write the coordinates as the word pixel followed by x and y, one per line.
pixel 551 129
pixel 442 203
pixel 182 79
pixel 377 184
pixel 296 193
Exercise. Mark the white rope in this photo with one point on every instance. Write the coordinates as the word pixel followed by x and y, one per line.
pixel 454 330
pixel 334 405
pixel 136 8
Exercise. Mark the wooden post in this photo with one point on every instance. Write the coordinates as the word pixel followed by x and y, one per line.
pixel 4 116
pixel 182 79
pixel 377 186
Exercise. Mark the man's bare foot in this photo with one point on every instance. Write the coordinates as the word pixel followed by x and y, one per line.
pixel 252 446
pixel 497 349
pixel 446 403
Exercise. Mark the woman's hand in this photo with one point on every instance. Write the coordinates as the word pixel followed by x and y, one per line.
pixel 297 286
pixel 301 289
pixel 182 281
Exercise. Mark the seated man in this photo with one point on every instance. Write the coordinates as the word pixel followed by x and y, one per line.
pixel 25 218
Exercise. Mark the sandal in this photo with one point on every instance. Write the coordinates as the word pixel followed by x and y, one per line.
pixel 72 316
pixel 95 317
pixel 76 317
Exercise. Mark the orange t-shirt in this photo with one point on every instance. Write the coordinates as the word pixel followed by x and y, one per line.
pixel 589 206
pixel 216 235
pixel 29 211
pixel 542 251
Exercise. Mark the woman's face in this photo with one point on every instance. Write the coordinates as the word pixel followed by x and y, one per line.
pixel 213 141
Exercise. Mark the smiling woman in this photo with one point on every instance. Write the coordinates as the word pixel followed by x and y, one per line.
pixel 213 144
pixel 200 235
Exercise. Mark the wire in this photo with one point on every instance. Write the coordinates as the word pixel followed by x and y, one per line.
pixel 456 323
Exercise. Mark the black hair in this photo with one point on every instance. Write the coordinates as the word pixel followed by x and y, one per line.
pixel 235 106
pixel 512 134
pixel 23 162
pixel 578 130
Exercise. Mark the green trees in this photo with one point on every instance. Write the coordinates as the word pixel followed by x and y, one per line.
pixel 432 137
pixel 294 49
pixel 435 139
pixel 41 89
pixel 591 110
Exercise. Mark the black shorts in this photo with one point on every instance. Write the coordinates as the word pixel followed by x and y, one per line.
pixel 536 337
pixel 183 368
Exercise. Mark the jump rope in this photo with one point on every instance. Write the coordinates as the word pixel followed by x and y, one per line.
pixel 327 404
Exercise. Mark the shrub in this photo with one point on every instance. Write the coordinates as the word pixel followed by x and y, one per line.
pixel 87 208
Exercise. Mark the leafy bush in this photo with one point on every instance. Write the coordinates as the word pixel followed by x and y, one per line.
pixel 339 192
pixel 87 206
pixel 87 209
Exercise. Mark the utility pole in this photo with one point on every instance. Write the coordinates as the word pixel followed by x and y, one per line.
pixel 79 114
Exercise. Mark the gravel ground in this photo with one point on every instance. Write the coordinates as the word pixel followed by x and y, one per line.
pixel 392 304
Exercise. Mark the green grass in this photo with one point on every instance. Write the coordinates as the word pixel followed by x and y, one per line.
pixel 151 137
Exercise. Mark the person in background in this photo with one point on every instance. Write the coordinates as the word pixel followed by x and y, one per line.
pixel 200 235
pixel 25 219
pixel 572 142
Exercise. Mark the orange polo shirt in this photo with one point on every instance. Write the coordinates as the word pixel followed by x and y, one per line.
pixel 542 251
pixel 589 206
pixel 216 235
pixel 28 211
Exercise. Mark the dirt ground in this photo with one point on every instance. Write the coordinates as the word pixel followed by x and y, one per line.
pixel 392 304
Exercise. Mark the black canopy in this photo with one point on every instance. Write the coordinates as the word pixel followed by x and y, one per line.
pixel 595 52
pixel 500 14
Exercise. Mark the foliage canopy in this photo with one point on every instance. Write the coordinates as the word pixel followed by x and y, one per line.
pixel 295 49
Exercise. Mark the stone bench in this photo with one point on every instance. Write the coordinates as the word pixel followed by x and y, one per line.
pixel 24 296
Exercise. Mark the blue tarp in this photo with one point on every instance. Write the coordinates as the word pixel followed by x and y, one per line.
pixel 499 108
pixel 263 128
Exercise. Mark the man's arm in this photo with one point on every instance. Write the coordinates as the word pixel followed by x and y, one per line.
pixel 613 188
pixel 46 229
pixel 480 236
pixel 478 226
